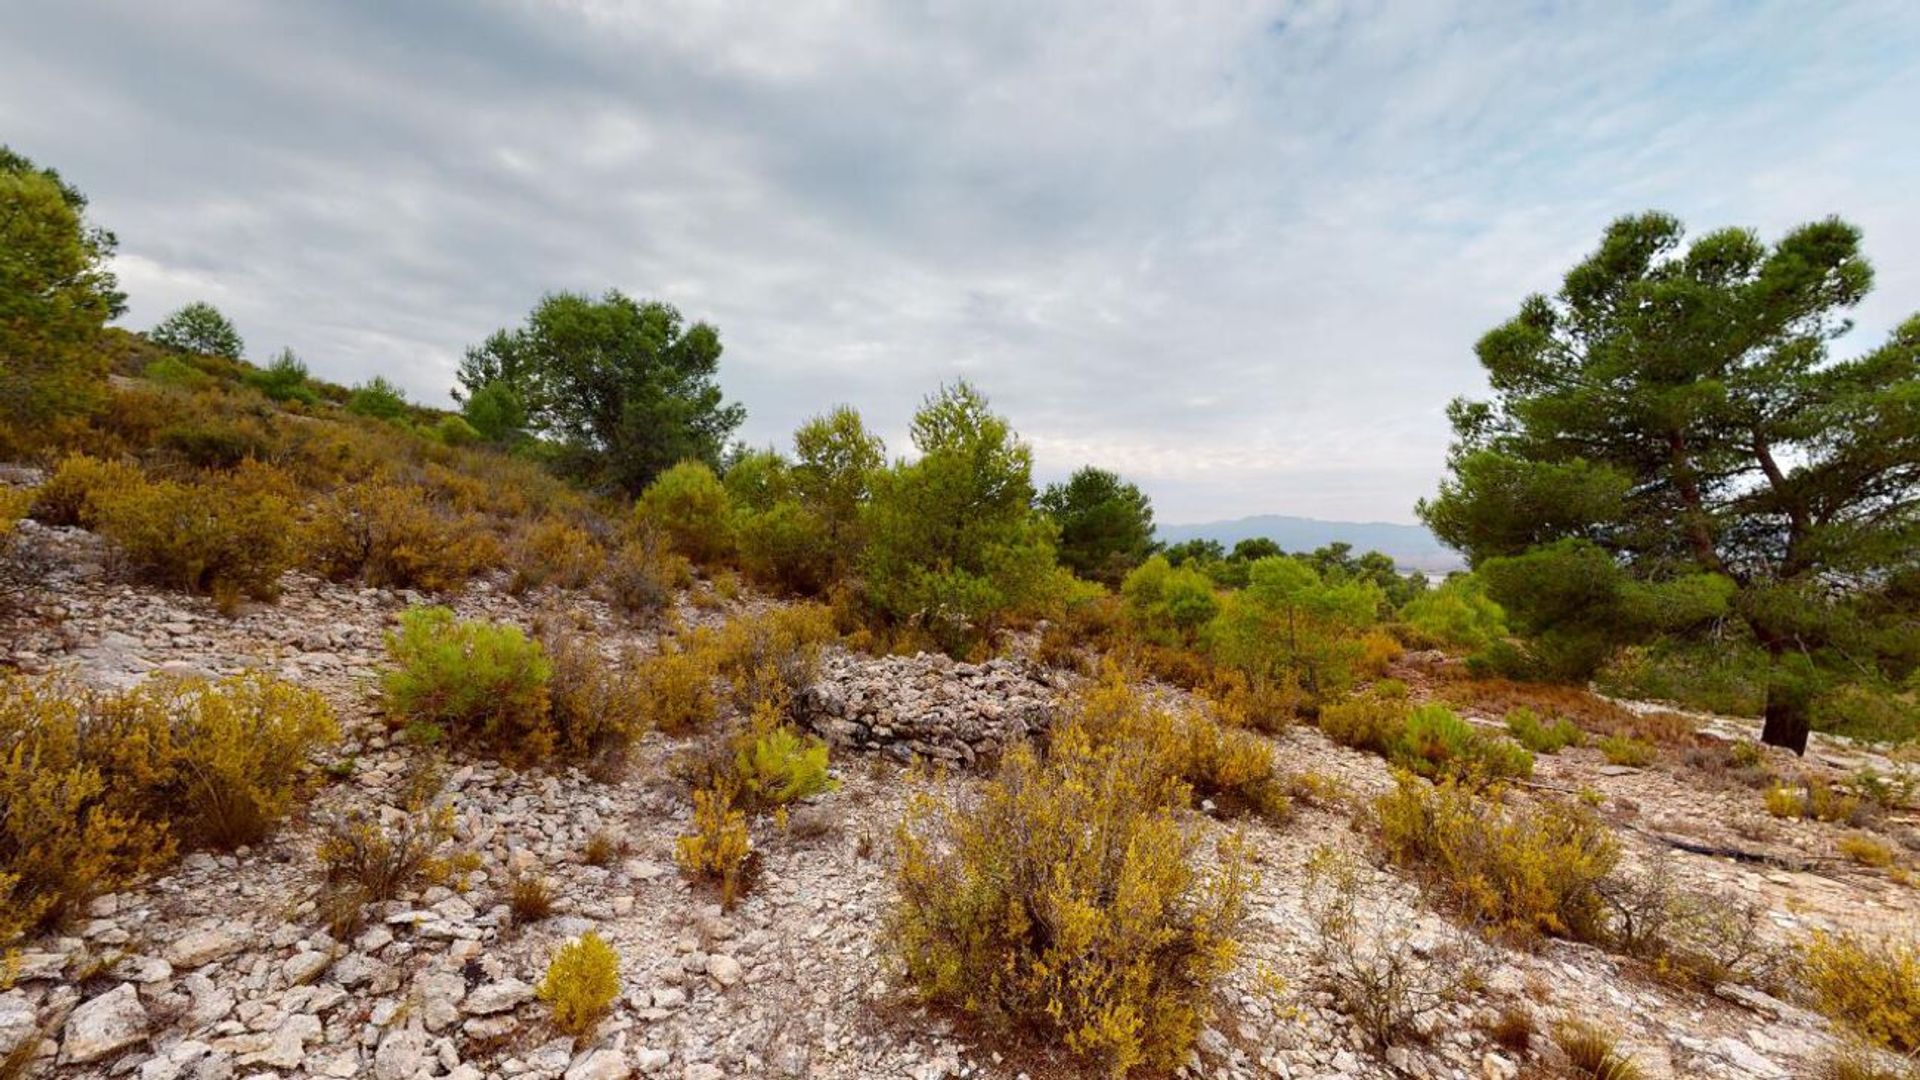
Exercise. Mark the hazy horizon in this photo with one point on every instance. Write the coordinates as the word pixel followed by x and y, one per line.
pixel 1238 253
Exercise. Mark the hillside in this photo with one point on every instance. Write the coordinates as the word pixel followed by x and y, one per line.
pixel 1412 547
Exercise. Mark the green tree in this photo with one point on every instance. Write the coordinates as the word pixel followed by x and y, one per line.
pixel 1196 551
pixel 691 506
pixel 1291 625
pixel 56 293
pixel 1670 448
pixel 1168 604
pixel 834 460
pixel 1106 524
pixel 496 411
pixel 954 544
pixel 626 387
pixel 199 328
pixel 285 379
pixel 380 398
pixel 1255 547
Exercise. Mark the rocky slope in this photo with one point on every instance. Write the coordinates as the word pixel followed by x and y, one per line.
pixel 220 967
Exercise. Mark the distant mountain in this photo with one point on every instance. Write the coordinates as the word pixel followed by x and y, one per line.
pixel 1412 546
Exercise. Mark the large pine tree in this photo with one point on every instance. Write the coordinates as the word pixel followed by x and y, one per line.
pixel 1670 449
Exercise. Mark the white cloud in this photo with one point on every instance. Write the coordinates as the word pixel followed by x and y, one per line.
pixel 1240 250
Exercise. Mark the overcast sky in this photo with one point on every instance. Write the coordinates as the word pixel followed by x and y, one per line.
pixel 1239 252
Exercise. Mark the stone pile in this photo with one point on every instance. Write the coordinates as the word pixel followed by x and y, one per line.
pixel 928 706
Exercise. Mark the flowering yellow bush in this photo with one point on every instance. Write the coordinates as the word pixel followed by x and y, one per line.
pixel 1069 897
pixel 96 788
pixel 581 982
pixel 230 535
pixel 719 847
pixel 1871 986
pixel 1524 870
pixel 390 534
pixel 71 495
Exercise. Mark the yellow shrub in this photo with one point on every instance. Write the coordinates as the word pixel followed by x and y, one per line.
pixel 1232 768
pixel 390 535
pixel 1067 897
pixel 1265 704
pixel 581 983
pixel 1524 870
pixel 228 535
pixel 1378 651
pixel 676 688
pixel 1866 850
pixel 1870 986
pixel 1813 797
pixel 71 495
pixel 641 577
pixel 772 655
pixel 223 762
pixel 718 848
pixel 598 706
pixel 1626 750
pixel 95 788
pixel 553 552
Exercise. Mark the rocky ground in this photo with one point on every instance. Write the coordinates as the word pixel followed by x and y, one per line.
pixel 221 968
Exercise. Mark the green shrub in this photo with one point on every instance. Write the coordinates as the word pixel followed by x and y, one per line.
pixel 1291 623
pixel 379 398
pixel 176 373
pixel 1436 742
pixel 581 983
pixel 285 379
pixel 1540 736
pixel 777 765
pixel 1371 722
pixel 1168 605
pixel 228 535
pixel 787 547
pixel 483 684
pixel 1458 615
pixel 1623 750
pixel 690 505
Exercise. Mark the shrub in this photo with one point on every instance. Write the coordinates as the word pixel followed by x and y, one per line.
pixel 1623 750
pixel 1267 705
pixel 1289 621
pixel 677 688
pixel 171 371
pixel 553 552
pixel 602 848
pixel 529 898
pixel 379 398
pixel 1864 1063
pixel 719 848
pixel 228 536
pixel 1436 742
pixel 96 787
pixel 1369 722
pixel 373 854
pixel 1233 769
pixel 690 505
pixel 581 982
pixel 597 707
pixel 1687 936
pixel 773 655
pixel 1870 986
pixel 1540 736
pixel 389 535
pixel 285 379
pixel 1816 798
pixel 787 546
pixel 1592 1053
pixel 1523 870
pixel 482 683
pixel 1168 605
pixel 776 765
pixel 1368 958
pixel 641 577
pixel 1458 614
pixel 1067 897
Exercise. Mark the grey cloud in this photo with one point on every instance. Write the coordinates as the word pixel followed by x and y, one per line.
pixel 1238 250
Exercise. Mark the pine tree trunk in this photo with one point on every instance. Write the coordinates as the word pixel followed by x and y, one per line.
pixel 1786 723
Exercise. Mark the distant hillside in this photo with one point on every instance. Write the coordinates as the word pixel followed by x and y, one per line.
pixel 1412 546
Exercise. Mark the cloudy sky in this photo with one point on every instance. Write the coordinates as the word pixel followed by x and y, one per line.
pixel 1238 251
